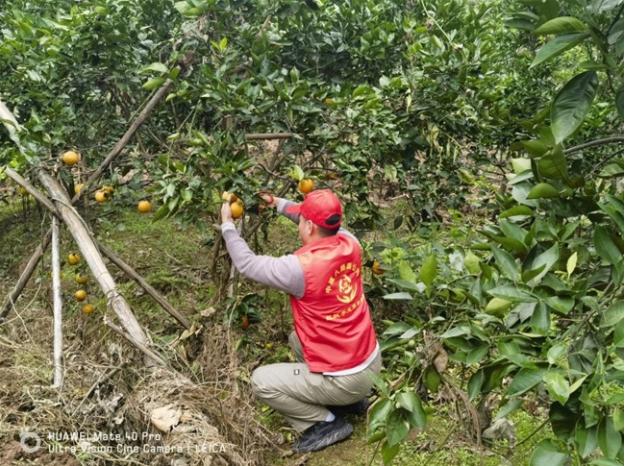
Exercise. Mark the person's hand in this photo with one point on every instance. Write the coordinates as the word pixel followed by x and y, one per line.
pixel 269 199
pixel 226 213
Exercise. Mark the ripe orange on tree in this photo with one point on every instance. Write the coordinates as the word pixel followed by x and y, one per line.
pixel 376 268
pixel 81 279
pixel 70 157
pixel 73 258
pixel 100 196
pixel 80 295
pixel 306 185
pixel 144 206
pixel 88 309
pixel 236 209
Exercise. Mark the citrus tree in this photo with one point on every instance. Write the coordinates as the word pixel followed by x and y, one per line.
pixel 536 306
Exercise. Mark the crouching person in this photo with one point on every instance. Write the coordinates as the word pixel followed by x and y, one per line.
pixel 334 341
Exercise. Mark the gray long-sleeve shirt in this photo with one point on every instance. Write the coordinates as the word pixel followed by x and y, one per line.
pixel 284 273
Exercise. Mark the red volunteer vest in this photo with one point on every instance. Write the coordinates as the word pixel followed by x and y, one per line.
pixel 332 319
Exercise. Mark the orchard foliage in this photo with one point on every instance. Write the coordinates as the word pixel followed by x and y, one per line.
pixel 417 99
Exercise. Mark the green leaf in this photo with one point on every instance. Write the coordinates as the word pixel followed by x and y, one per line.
pixel 158 67
pixel 571 263
pixel 543 191
pixel 153 83
pixel 389 452
pixel 557 46
pixel 560 304
pixel 557 354
pixel 406 272
pixel 497 306
pixel 477 354
pixel 561 25
pixel 428 271
pixel 412 403
pixel 547 453
pixel 396 428
pixel 521 165
pixel 512 294
pixel 515 211
pixel 547 259
pixel 475 384
pixel 571 104
pixel 541 319
pixel 613 315
pixel 525 380
pixel 379 413
pixel 557 386
pixel 605 246
pixel 610 440
pixel 507 264
pixel 585 439
pixel 512 405
pixel 472 263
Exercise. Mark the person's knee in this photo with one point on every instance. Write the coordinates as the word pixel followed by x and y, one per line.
pixel 259 378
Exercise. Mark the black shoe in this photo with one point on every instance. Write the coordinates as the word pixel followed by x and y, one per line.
pixel 323 434
pixel 358 409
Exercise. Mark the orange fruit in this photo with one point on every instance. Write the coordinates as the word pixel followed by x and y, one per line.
pixel 73 258
pixel 81 279
pixel 107 189
pixel 376 268
pixel 237 209
pixel 144 206
pixel 306 185
pixel 245 322
pixel 70 157
pixel 78 187
pixel 100 196
pixel 88 309
pixel 80 295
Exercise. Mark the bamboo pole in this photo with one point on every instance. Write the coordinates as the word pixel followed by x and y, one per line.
pixel 57 351
pixel 90 252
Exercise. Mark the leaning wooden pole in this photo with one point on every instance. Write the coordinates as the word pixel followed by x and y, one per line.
pixel 86 244
pixel 57 351
pixel 11 124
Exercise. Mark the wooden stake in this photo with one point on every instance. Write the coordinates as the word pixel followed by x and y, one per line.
pixel 57 356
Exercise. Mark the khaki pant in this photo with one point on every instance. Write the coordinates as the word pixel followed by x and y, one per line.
pixel 301 396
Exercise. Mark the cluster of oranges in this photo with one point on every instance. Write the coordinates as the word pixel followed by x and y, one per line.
pixel 103 194
pixel 81 294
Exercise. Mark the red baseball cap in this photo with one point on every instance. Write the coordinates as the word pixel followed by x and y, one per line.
pixel 321 207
